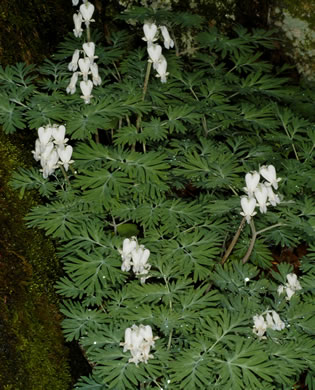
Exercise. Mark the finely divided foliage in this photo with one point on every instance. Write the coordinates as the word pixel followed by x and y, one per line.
pixel 193 299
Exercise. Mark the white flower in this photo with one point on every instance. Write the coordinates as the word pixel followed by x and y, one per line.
pixel 87 10
pixel 50 164
pixel 46 152
pixel 269 173
pixel 71 88
pixel 86 88
pixel 84 65
pixel 155 52
pixel 252 180
pixel 139 340
pixel 65 154
pixel 37 151
pixel 290 287
pixel 135 255
pixel 59 135
pixel 261 195
pixel 260 325
pixel 248 206
pixel 95 76
pixel 77 19
pixel 73 65
pixel 161 69
pixel 140 257
pixel 75 2
pixel 280 289
pixel 89 50
pixel 277 323
pixel 168 42
pixel 293 282
pixel 272 197
pixel 271 321
pixel 150 30
pixel 44 134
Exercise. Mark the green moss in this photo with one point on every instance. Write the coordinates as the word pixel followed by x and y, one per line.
pixel 33 355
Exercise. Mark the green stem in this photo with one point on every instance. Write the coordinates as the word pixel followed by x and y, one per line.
pixel 254 236
pixel 65 174
pixel 252 242
pixel 233 242
pixel 146 80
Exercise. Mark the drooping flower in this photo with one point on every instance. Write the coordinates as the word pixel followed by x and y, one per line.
pixel 126 252
pixel 252 180
pixel 135 256
pixel 168 42
pixel 75 2
pixel 65 154
pixel 161 67
pixel 87 10
pixel 150 30
pixel 248 206
pixel 84 65
pixel 95 76
pixel 49 164
pixel 272 321
pixel 290 287
pixel 37 152
pixel 155 52
pixel 261 195
pixel 71 88
pixel 86 88
pixel 73 65
pixel 272 197
pixel 269 173
pixel 59 135
pixel 139 340
pixel 89 50
pixel 77 19
pixel 44 134
pixel 260 325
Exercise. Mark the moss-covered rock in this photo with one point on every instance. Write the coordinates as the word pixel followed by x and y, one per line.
pixel 32 353
pixel 296 21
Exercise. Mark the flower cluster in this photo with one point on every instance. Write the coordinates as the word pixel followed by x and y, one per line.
pixel 86 65
pixel 154 50
pixel 135 255
pixel 51 149
pixel 290 287
pixel 271 320
pixel 259 194
pixel 139 340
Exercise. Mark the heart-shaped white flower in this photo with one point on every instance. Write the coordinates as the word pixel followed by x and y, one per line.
pixel 252 180
pixel 248 206
pixel 261 195
pixel 84 65
pixel 89 49
pixel 150 30
pixel 87 10
pixel 44 134
pixel 154 52
pixel 269 173
pixel 86 88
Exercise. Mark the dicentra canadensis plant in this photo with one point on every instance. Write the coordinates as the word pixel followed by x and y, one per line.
pixel 165 200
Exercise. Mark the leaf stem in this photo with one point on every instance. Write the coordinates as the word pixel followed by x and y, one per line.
pixel 254 236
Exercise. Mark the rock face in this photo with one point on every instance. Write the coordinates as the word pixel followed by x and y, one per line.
pixel 32 351
pixel 296 21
